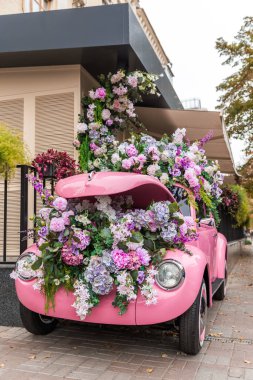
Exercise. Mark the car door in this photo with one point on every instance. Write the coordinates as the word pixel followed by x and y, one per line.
pixel 207 238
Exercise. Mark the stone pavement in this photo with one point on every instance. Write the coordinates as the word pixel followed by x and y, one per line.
pixel 88 352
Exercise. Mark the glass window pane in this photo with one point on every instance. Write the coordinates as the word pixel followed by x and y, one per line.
pixel 181 197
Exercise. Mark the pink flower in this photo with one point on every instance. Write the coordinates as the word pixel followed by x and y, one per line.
pixel 190 176
pixel 60 204
pixel 120 258
pixel 93 146
pixel 57 225
pixel 132 81
pixel 100 93
pixel 109 122
pixel 143 255
pixel 127 163
pixel 106 114
pixel 69 257
pixel 66 216
pixel 84 240
pixel 121 90
pixel 76 143
pixel 131 150
pixel 116 104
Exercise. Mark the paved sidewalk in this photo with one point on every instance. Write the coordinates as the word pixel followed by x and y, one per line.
pixel 80 351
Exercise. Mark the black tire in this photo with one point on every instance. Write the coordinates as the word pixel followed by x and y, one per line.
pixel 222 291
pixel 36 323
pixel 192 324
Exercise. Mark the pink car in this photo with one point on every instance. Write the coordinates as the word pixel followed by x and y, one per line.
pixel 186 284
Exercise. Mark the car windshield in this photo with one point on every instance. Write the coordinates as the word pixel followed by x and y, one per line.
pixel 181 197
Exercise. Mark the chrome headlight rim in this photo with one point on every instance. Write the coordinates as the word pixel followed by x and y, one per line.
pixel 179 266
pixel 22 256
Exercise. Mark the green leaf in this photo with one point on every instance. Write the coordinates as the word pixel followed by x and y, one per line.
pixel 136 237
pixel 36 265
pixel 173 207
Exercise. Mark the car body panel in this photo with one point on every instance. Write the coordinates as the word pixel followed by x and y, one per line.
pixel 207 258
pixel 143 188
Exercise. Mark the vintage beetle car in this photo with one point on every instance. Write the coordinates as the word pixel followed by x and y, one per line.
pixel 186 284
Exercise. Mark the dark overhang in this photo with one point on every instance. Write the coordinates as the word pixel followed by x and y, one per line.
pixel 101 39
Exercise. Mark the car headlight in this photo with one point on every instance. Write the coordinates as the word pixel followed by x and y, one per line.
pixel 24 266
pixel 170 274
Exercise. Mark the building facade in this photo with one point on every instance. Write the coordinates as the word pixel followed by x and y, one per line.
pixel 46 68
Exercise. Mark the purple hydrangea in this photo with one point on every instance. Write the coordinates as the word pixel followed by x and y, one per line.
pixel 43 231
pixel 84 240
pixel 161 212
pixel 169 232
pixel 57 224
pixel 98 276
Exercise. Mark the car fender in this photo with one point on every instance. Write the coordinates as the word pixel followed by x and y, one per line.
pixel 221 255
pixel 175 302
pixel 195 262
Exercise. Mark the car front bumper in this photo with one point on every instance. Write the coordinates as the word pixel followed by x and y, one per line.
pixel 170 304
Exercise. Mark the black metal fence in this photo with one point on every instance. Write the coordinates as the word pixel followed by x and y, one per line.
pixel 23 218
pixel 228 227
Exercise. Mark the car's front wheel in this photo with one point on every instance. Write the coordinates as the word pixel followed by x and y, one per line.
pixel 192 324
pixel 36 323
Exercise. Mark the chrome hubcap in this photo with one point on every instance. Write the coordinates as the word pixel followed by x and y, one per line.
pixel 202 314
pixel 45 319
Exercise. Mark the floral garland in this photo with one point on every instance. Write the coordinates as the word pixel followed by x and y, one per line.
pixel 91 247
pixel 109 109
pixel 170 159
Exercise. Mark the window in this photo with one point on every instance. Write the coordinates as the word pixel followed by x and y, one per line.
pixel 201 210
pixel 181 197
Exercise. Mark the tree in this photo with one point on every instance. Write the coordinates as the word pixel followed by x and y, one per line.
pixel 246 172
pixel 237 89
pixel 12 152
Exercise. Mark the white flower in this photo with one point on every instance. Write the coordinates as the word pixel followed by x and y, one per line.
pixel 57 282
pixel 94 126
pixel 207 187
pixel 97 162
pixel 82 302
pixel 115 158
pixel 106 114
pixel 178 135
pixel 82 219
pixel 152 169
pixel 164 178
pixel 81 128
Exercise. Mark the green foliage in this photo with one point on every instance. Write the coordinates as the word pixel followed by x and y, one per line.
pixel 242 214
pixel 237 89
pixel 12 151
pixel 246 180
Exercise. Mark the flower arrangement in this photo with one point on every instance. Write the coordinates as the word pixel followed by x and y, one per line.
pixel 62 164
pixel 169 159
pixel 235 202
pixel 91 247
pixel 109 109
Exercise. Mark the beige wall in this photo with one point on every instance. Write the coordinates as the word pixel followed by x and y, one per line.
pixel 10 6
pixel 33 84
pixel 43 103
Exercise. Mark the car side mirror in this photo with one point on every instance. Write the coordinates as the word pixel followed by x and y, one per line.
pixel 207 222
